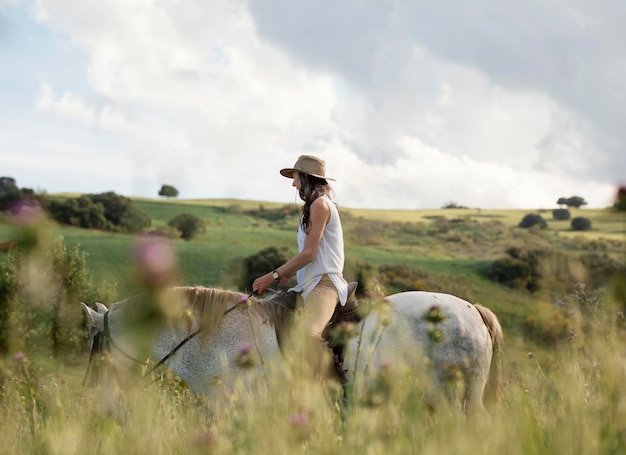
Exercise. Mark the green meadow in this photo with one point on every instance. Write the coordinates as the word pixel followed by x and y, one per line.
pixel 564 368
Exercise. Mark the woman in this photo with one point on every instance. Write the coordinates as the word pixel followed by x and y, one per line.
pixel 318 266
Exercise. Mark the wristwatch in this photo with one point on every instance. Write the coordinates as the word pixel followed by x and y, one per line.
pixel 275 275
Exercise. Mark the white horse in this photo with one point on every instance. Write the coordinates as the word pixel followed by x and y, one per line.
pixel 225 327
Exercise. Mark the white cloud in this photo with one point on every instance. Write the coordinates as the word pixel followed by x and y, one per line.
pixel 68 105
pixel 215 97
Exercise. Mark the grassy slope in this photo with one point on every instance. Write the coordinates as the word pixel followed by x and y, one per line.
pixel 457 259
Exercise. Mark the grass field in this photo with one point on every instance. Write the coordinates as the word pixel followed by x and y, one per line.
pixel 563 396
pixel 454 253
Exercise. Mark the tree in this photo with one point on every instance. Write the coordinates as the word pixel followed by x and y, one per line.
pixel 620 199
pixel 260 263
pixel 581 224
pixel 561 214
pixel 187 224
pixel 168 191
pixel 10 193
pixel 107 211
pixel 574 201
pixel 533 219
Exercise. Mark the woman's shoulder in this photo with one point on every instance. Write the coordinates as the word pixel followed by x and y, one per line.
pixel 322 202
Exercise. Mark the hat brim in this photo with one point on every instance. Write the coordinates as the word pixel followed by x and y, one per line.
pixel 288 172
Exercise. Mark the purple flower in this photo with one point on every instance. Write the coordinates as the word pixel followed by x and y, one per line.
pixel 19 356
pixel 299 420
pixel 246 356
pixel 205 439
pixel 154 259
pixel 245 348
pixel 26 213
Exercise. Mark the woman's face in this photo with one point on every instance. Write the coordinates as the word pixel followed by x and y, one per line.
pixel 296 180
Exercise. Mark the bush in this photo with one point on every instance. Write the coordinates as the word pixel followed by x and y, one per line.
pixel 561 214
pixel 187 224
pixel 581 223
pixel 533 219
pixel 548 324
pixel 106 211
pixel 514 273
pixel 260 263
pixel 400 277
pixel 40 309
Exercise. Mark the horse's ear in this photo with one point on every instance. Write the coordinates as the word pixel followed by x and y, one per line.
pixel 95 319
pixel 101 307
pixel 90 313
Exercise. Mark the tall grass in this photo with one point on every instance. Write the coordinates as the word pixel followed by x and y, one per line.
pixel 571 401
pixel 567 398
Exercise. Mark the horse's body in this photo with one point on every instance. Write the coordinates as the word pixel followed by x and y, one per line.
pixel 228 326
pixel 459 339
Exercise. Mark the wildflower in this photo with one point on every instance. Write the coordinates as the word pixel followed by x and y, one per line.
pixel 299 420
pixel 384 312
pixel 434 315
pixel 341 334
pixel 27 216
pixel 19 356
pixel 26 213
pixel 245 299
pixel 301 425
pixel 205 439
pixel 155 260
pixel 435 335
pixel 246 356
pixel 531 355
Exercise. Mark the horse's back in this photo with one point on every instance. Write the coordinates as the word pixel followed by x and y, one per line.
pixel 448 330
pixel 461 324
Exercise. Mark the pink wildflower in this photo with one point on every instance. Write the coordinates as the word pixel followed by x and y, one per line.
pixel 155 260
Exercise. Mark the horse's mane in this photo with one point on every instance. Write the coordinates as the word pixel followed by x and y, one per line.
pixel 209 305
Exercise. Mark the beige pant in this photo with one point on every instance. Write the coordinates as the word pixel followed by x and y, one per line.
pixel 319 306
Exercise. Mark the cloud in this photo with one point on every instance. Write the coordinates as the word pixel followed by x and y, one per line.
pixel 412 104
pixel 68 105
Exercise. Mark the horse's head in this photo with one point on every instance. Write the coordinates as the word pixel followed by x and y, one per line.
pixel 96 321
pixel 96 343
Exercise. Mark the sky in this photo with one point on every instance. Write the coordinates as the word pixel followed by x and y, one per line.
pixel 413 104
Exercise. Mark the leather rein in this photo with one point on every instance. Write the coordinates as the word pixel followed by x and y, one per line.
pixel 103 341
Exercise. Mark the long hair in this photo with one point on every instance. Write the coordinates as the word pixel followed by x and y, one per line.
pixel 310 189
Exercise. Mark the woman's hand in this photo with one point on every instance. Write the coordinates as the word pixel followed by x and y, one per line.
pixel 262 283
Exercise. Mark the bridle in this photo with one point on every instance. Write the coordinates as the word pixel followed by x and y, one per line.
pixel 102 341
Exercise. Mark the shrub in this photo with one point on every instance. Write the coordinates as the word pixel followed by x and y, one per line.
pixel 106 211
pixel 561 214
pixel 533 219
pixel 581 223
pixel 187 224
pixel 401 277
pixel 548 324
pixel 40 309
pixel 260 263
pixel 514 273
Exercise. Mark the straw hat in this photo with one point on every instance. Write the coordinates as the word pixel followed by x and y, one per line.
pixel 307 164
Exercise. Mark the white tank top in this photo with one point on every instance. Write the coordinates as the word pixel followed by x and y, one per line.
pixel 328 260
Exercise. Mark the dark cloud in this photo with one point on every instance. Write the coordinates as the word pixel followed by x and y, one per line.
pixel 571 51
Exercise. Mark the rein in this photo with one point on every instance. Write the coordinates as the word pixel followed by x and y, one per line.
pixel 103 339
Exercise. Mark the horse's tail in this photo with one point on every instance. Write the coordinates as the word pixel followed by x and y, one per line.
pixel 494 390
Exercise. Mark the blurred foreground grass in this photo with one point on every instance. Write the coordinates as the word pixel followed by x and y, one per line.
pixel 571 401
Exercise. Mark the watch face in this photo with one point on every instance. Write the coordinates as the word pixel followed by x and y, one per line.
pixel 275 275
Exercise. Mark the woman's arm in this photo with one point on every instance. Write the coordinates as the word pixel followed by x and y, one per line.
pixel 320 215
